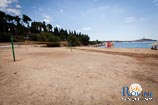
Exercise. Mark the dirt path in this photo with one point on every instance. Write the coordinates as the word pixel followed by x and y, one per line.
pixel 57 76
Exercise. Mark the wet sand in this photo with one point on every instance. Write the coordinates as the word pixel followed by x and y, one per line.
pixel 85 76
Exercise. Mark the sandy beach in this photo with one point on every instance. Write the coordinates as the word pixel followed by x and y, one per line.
pixel 83 76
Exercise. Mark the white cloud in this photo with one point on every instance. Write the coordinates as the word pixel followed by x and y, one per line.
pixel 61 10
pixel 18 6
pixel 86 28
pixel 130 19
pixel 78 30
pixel 5 5
pixel 58 26
pixel 14 11
pixel 103 11
pixel 47 19
pixel 94 10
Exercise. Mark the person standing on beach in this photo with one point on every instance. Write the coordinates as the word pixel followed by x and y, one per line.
pixel 154 46
pixel 109 44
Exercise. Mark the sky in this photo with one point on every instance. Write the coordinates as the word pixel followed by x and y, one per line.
pixel 100 19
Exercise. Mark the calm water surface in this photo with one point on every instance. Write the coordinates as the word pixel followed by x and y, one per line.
pixel 146 44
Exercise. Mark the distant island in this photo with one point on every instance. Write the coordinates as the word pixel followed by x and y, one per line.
pixel 144 39
pixel 138 40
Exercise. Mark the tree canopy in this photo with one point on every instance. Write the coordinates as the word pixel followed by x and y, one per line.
pixel 23 26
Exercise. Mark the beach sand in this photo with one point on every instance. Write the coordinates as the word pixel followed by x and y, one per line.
pixel 83 76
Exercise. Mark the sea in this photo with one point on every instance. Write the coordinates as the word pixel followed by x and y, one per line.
pixel 144 44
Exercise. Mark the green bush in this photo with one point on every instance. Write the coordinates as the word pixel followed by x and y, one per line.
pixel 4 37
pixel 53 44
pixel 46 37
pixel 53 38
pixel 73 41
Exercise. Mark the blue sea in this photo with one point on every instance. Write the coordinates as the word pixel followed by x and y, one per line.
pixel 145 44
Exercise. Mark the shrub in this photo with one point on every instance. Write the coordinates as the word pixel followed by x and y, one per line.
pixel 46 37
pixel 73 41
pixel 53 38
pixel 63 43
pixel 4 37
pixel 53 44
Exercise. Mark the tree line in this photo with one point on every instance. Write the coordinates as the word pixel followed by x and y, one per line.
pixel 23 28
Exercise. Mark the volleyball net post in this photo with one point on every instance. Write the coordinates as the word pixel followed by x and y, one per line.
pixel 12 46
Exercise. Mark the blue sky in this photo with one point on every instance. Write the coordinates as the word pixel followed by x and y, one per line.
pixel 100 19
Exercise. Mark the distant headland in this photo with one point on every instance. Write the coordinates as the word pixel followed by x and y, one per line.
pixel 144 39
pixel 138 40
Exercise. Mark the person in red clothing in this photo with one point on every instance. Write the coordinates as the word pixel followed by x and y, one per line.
pixel 109 44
